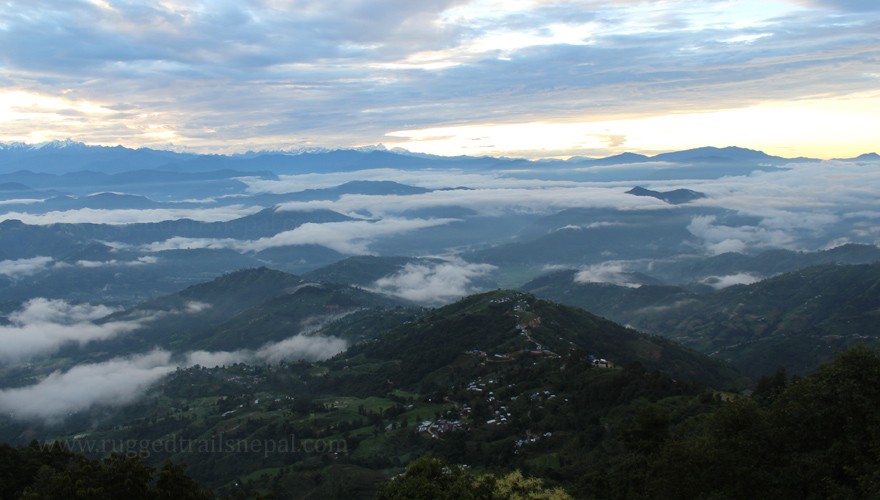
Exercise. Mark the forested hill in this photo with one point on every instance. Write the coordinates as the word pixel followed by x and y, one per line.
pixel 503 381
pixel 796 320
pixel 513 324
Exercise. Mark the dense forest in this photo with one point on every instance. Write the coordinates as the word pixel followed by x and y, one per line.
pixel 42 471
pixel 624 433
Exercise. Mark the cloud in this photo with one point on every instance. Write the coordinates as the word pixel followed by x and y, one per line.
pixel 257 73
pixel 140 261
pixel 838 242
pixel 184 243
pixel 122 381
pixel 592 225
pixel 117 382
pixel 842 5
pixel 434 283
pixel 298 347
pixel 25 201
pixel 310 348
pixel 58 311
pixel 349 237
pixel 131 216
pixel 667 307
pixel 804 206
pixel 195 307
pixel 719 239
pixel 817 188
pixel 720 282
pixel 19 268
pixel 42 326
pixel 487 201
pixel 25 267
pixel 606 272
pixel 210 359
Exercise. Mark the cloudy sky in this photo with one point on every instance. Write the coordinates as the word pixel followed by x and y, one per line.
pixel 532 78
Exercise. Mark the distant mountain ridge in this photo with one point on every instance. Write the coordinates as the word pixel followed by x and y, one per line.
pixel 71 156
pixel 862 157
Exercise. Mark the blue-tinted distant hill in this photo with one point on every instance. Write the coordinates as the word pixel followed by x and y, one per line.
pixel 73 261
pixel 674 197
pixel 863 157
pixel 147 182
pixel 20 240
pixel 698 163
pixel 713 154
pixel 14 186
pixel 620 159
pixel 375 188
pixel 767 263
pixel 341 160
pixel 592 235
pixel 70 156
pixel 104 201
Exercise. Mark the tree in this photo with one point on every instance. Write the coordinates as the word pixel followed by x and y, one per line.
pixel 430 478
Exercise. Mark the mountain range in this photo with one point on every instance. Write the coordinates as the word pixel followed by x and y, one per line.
pixel 60 157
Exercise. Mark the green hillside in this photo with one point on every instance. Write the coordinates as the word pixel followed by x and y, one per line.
pixel 500 381
pixel 534 377
pixel 305 309
pixel 513 324
pixel 797 320
pixel 242 310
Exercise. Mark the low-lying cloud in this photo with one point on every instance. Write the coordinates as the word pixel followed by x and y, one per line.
pixel 433 283
pixel 720 282
pixel 132 216
pixel 25 267
pixel 607 272
pixel 20 268
pixel 42 326
pixel 122 381
pixel 488 201
pixel 140 261
pixel 117 382
pixel 22 201
pixel 298 347
pixel 304 347
pixel 349 237
pixel 592 225
pixel 719 239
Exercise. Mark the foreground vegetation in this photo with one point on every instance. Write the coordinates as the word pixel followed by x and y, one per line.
pixel 801 438
pixel 52 472
pixel 504 391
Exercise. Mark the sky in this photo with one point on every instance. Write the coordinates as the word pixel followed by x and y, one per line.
pixel 519 78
